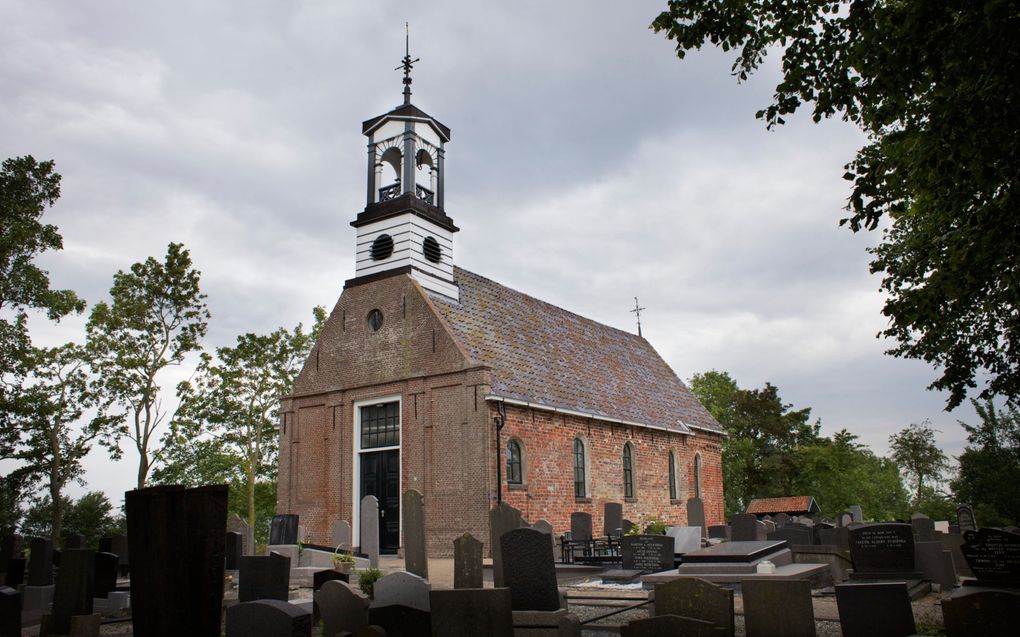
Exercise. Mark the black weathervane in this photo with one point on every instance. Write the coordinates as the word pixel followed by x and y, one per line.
pixel 637 311
pixel 407 64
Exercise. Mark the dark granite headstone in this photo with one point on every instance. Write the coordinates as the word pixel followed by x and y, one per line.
pixel 746 528
pixel 935 562
pixel 74 541
pixel 106 545
pixel 268 618
pixel 924 527
pixel 401 620
pixel 106 573
pixel 993 555
pixel 7 544
pixel 119 547
pixel 719 531
pixel 472 612
pixel 781 520
pixel 875 609
pixel 264 577
pixel 698 599
pixel 341 608
pixel 283 529
pixel 176 537
pixel 467 562
pixel 838 536
pixel 735 552
pixel 612 519
pixel 415 559
pixel 580 526
pixel 794 534
pixel 817 531
pixel 965 518
pixel 882 549
pixel 502 518
pixel 15 573
pixel 233 548
pixel 74 589
pixel 40 562
pixel 668 626
pixel 974 611
pixel 778 607
pixel 696 515
pixel 647 553
pixel 328 575
pixel 528 570
pixel 10 612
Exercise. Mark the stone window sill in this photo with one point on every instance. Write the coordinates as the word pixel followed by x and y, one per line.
pixel 676 502
pixel 584 500
pixel 517 487
pixel 630 500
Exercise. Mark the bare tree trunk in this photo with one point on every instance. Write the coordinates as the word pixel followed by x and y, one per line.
pixel 251 496
pixel 143 467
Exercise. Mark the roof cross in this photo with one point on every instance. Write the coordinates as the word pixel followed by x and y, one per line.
pixel 637 312
pixel 407 64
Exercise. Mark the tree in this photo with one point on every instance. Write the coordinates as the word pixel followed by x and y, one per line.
pixel 157 316
pixel 916 451
pixel 91 515
pixel 48 406
pixel 990 465
pixel 932 85
pixel 226 426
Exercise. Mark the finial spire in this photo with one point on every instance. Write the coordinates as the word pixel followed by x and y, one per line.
pixel 407 64
pixel 637 311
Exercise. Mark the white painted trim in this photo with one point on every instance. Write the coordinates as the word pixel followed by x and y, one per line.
pixel 356 462
pixel 571 412
pixel 706 429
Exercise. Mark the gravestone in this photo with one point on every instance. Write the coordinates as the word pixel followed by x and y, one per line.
pixel 237 524
pixel 935 562
pixel 105 574
pixel 119 547
pixel 612 519
pixel 648 553
pixel 993 556
pixel 838 536
pixel 875 609
pixel 73 593
pixel 473 612
pixel 328 575
pixel 283 529
pixel 965 518
pixel 401 620
pixel 698 599
pixel 263 577
pixel 975 611
pixel 74 541
pixel 370 529
pixel 878 550
pixel 667 626
pixel 7 544
pixel 627 525
pixel 415 558
pixel 719 531
pixel 580 526
pixel 502 518
pixel 528 570
pixel 781 520
pixel 175 537
pixel 818 530
pixel 953 542
pixel 857 513
pixel 233 548
pixel 40 562
pixel 778 607
pixel 401 589
pixel 268 618
pixel 15 574
pixel 924 527
pixel 467 562
pixel 10 612
pixel 845 519
pixel 794 534
pixel 545 527
pixel 746 528
pixel 685 538
pixel 696 515
pixel 770 526
pixel 341 608
pixel 341 535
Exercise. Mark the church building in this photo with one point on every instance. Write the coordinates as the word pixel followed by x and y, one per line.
pixel 427 376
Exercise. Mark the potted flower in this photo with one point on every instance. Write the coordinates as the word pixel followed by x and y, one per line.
pixel 343 562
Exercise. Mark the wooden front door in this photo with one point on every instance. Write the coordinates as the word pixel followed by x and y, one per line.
pixel 380 476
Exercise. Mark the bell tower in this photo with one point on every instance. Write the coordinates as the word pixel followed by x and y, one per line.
pixel 404 228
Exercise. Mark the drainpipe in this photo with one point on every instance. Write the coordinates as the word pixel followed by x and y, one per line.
pixel 499 421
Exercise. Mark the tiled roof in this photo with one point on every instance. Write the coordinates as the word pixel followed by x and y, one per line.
pixel 545 355
pixel 790 504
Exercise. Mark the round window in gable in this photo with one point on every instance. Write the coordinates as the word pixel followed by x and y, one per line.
pixel 382 247
pixel 432 250
pixel 375 320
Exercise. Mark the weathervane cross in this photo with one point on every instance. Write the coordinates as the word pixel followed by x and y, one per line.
pixel 407 64
pixel 637 312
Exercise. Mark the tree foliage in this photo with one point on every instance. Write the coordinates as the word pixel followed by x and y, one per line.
pixel 156 317
pixel 990 466
pixel 917 453
pixel 92 515
pixel 933 86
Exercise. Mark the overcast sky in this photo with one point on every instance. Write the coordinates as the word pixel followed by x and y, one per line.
pixel 588 165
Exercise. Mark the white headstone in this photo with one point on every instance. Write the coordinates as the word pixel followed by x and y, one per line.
pixel 406 589
pixel 370 529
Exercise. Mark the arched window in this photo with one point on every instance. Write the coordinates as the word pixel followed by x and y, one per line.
pixel 580 476
pixel 514 469
pixel 672 475
pixel 697 475
pixel 628 471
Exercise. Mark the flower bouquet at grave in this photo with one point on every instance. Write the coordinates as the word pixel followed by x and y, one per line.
pixel 648 525
pixel 342 560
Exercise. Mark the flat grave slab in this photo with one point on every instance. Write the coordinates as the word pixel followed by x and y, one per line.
pixel 735 551
pixel 818 574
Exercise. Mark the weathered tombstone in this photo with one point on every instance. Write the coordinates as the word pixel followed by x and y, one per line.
pixel 980 612
pixel 845 519
pixel 328 575
pixel 415 558
pixel 794 534
pixel 268 618
pixel 778 607
pixel 747 528
pixel 283 529
pixel 612 519
pixel 935 562
pixel 838 536
pixel 73 594
pixel 341 535
pixel 175 537
pixel 857 512
pixel 545 527
pixel 401 620
pixel 40 562
pixel 10 612
pixel 781 520
pixel 924 527
pixel 875 609
pixel 472 613
pixel 263 577
pixel 965 518
pixel 237 524
pixel 233 548
pixel 698 599
pixel 370 529
pixel 528 570
pixel 401 589
pixel 502 518
pixel 667 626
pixel 685 538
pixel 467 562
pixel 993 555
pixel 882 550
pixel 74 541
pixel 648 553
pixel 719 531
pixel 341 608
pixel 696 515
pixel 580 526
pixel 105 574
pixel 15 574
